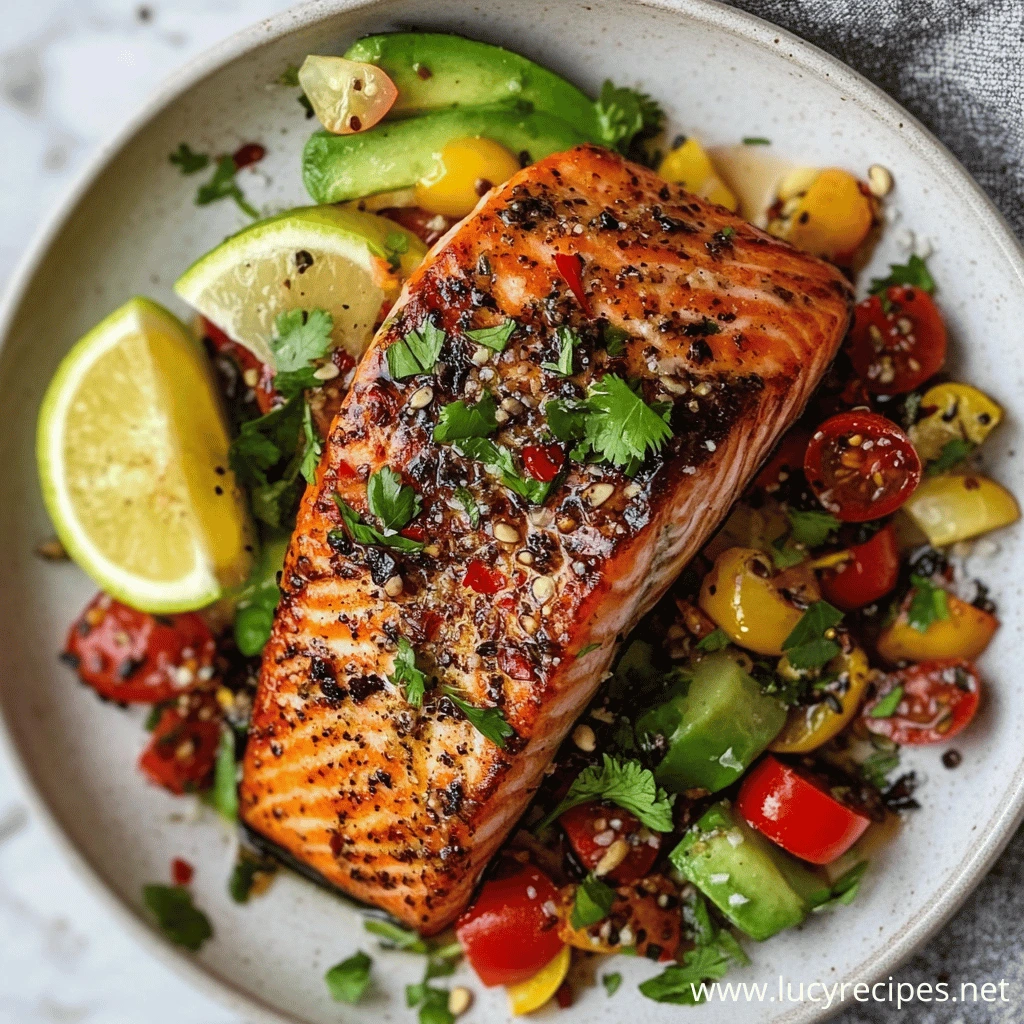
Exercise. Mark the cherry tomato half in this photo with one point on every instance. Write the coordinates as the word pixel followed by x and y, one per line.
pixel 482 579
pixel 936 700
pixel 861 466
pixel 793 808
pixel 264 389
pixel 511 930
pixel 897 350
pixel 136 658
pixel 869 573
pixel 543 462
pixel 592 828
pixel 183 748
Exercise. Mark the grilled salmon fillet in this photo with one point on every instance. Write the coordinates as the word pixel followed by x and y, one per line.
pixel 721 329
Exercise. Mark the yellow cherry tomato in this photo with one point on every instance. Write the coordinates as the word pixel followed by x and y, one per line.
pixel 346 96
pixel 965 634
pixel 950 508
pixel 466 170
pixel 809 727
pixel 533 993
pixel 740 595
pixel 953 412
pixel 688 165
pixel 832 217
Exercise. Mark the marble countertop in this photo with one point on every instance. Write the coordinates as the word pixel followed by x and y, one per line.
pixel 71 71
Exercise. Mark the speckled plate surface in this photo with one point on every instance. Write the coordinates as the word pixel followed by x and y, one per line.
pixel 130 227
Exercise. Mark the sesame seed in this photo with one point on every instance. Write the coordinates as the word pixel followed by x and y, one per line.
pixel 703 389
pixel 584 738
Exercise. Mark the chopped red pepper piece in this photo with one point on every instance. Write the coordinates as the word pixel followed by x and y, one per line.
pixel 414 532
pixel 570 266
pixel 543 462
pixel 482 579
pixel 250 153
pixel 181 871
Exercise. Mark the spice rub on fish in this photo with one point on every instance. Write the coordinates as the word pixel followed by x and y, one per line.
pixel 572 391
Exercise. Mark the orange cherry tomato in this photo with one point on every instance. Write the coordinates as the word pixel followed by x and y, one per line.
pixel 871 571
pixel 592 828
pixel 936 700
pixel 897 349
pixel 136 658
pixel 861 466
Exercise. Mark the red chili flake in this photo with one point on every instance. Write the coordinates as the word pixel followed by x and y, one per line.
pixel 481 579
pixel 345 470
pixel 414 532
pixel 250 153
pixel 181 871
pixel 570 266
pixel 564 995
pixel 543 462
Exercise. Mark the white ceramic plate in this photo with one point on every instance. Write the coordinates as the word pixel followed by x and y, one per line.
pixel 130 227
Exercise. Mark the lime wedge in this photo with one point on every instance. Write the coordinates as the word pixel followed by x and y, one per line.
pixel 315 257
pixel 132 450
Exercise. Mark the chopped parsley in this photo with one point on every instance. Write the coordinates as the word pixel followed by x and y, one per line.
pixel 248 868
pixel 953 452
pixel 417 352
pixel 312 446
pixel 611 982
pixel 811 528
pixel 464 496
pixel 362 533
pixel 929 603
pixel 914 273
pixel 395 504
pixel 223 186
pixel 187 161
pixel 877 767
pixel 593 902
pixel 348 980
pixel 714 641
pixel 459 420
pixel 756 140
pixel 809 646
pixel 406 675
pixel 396 245
pixel 614 339
pixel 396 937
pixel 496 337
pixel 176 915
pixel 489 722
pixel 626 116
pixel 624 783
pixel 785 553
pixel 887 705
pixel 567 340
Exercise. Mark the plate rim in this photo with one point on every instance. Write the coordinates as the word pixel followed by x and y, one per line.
pixel 779 42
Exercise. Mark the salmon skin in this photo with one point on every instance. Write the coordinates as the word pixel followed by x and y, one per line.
pixel 723 331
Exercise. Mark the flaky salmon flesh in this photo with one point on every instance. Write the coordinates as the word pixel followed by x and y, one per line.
pixel 721 330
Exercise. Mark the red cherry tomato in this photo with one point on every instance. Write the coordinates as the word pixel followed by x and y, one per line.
pixel 861 466
pixel 592 828
pixel 937 700
pixel 511 930
pixel 136 658
pixel 570 266
pixel 543 462
pixel 896 351
pixel 794 809
pixel 482 579
pixel 870 573
pixel 784 463
pixel 264 390
pixel 182 751
pixel 181 871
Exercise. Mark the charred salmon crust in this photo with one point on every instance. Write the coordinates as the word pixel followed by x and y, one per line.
pixel 730 329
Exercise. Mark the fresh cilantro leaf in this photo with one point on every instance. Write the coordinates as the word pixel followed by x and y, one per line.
pixel 499 460
pixel 914 273
pixel 845 888
pixel 187 161
pixel 396 937
pixel 224 795
pixel 465 498
pixel 786 554
pixel 887 706
pixel 177 917
pixel 756 140
pixel 395 504
pixel 566 421
pixel 417 352
pixel 290 383
pixel 313 449
pixel 348 980
pixel 929 603
pixel 223 186
pixel 433 1003
pixel 682 984
pixel 459 421
pixel 407 675
pixel 247 867
pixel 567 340
pixel 396 245
pixel 584 651
pixel 953 452
pixel 593 902
pixel 728 944
pixel 811 528
pixel 625 783
pixel 614 339
pixel 611 982
pixel 714 641
pixel 300 337
pixel 496 337
pixel 877 767
pixel 808 646
pixel 625 115
pixel 489 722
pixel 620 426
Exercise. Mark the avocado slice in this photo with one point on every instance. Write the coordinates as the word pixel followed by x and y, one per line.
pixel 397 154
pixel 757 886
pixel 435 71
pixel 714 728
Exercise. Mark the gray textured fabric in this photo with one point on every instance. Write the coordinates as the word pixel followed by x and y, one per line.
pixel 957 65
